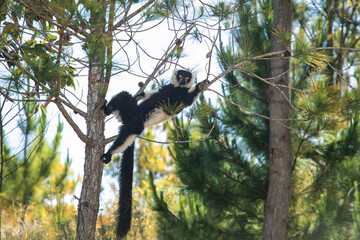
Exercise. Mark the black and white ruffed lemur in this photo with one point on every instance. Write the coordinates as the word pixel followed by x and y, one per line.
pixel 153 109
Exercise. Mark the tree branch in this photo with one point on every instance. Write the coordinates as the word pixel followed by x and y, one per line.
pixel 76 128
pixel 127 18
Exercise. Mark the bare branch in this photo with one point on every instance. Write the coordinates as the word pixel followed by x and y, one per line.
pixel 128 17
pixel 71 122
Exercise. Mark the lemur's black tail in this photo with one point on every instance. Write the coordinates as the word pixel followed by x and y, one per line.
pixel 123 219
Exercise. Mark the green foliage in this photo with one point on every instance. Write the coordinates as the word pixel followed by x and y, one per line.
pixel 282 35
pixel 323 101
pixel 176 52
pixel 30 48
pixel 36 61
pixel 171 109
pixel 330 202
pixel 324 199
pixel 220 190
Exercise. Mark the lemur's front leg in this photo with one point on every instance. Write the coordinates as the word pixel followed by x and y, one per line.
pixel 144 95
pixel 202 85
pixel 195 91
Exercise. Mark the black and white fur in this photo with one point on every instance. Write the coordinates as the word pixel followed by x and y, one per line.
pixel 135 117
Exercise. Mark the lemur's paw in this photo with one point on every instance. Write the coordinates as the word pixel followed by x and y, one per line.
pixel 105 158
pixel 140 96
pixel 106 110
pixel 103 107
pixel 203 84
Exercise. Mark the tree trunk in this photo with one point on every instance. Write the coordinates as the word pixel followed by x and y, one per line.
pixel 88 207
pixel 89 200
pixel 278 196
pixel 100 65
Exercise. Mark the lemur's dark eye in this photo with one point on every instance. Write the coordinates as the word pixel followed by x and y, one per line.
pixel 180 75
pixel 187 78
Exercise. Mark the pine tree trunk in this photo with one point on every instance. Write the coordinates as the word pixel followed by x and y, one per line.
pixel 89 200
pixel 278 196
pixel 88 207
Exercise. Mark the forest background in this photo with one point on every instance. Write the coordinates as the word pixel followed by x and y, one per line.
pixel 270 152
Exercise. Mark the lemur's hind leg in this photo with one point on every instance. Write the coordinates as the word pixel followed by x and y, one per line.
pixel 127 135
pixel 122 105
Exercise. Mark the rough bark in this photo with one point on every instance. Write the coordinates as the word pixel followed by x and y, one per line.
pixel 278 196
pixel 88 206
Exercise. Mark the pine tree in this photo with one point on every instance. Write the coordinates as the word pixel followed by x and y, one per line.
pixel 325 200
pixel 226 177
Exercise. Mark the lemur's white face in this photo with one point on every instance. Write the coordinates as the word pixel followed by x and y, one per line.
pixel 182 78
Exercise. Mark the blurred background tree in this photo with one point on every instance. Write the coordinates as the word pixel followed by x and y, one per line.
pixel 35 183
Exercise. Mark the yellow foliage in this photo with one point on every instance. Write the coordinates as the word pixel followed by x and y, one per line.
pixel 39 221
pixel 305 53
pixel 323 100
